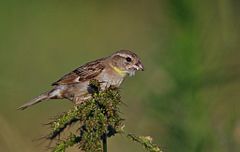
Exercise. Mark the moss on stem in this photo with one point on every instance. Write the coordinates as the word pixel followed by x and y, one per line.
pixel 98 118
pixel 145 141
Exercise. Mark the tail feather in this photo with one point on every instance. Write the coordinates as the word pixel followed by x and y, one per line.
pixel 40 98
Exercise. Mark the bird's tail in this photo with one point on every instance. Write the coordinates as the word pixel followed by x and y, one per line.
pixel 40 98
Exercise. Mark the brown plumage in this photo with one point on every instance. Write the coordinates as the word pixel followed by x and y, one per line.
pixel 109 71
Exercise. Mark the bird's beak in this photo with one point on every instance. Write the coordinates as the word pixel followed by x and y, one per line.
pixel 139 66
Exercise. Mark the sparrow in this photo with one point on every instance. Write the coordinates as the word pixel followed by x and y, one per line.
pixel 108 71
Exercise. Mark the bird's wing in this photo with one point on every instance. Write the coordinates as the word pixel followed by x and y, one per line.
pixel 86 72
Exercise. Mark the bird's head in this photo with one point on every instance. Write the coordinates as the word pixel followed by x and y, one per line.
pixel 126 62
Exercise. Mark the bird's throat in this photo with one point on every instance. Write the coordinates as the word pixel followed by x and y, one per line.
pixel 119 71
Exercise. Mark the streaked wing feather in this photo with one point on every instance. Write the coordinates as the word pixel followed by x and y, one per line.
pixel 68 79
pixel 83 73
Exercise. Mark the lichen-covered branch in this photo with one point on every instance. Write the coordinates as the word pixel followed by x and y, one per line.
pixel 97 119
pixel 145 141
pixel 63 145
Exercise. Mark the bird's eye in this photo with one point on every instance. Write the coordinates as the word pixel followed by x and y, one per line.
pixel 128 59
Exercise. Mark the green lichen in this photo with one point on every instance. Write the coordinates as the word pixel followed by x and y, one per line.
pixel 97 119
pixel 145 141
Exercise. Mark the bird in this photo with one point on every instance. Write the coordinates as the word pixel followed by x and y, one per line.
pixel 108 71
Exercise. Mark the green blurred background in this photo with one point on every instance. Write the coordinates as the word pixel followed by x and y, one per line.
pixel 187 99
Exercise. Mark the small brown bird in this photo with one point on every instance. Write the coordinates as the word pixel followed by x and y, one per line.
pixel 109 71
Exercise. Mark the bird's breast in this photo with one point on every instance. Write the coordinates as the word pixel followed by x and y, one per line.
pixel 108 78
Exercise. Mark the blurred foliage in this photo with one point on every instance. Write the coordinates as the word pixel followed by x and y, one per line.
pixel 188 97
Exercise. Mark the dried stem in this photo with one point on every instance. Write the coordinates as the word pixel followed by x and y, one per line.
pixel 104 141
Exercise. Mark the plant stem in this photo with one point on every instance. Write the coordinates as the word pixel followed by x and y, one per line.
pixel 104 141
